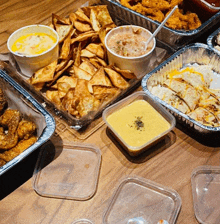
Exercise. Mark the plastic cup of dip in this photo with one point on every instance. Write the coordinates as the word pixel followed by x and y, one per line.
pixel 31 62
pixel 125 48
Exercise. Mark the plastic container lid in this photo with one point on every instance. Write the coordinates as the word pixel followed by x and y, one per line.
pixel 138 201
pixel 68 171
pixel 83 221
pixel 206 194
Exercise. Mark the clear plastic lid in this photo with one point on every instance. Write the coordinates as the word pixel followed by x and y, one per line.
pixel 68 171
pixel 83 221
pixel 140 201
pixel 206 194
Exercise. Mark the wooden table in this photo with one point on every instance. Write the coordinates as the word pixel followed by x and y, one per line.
pixel 169 163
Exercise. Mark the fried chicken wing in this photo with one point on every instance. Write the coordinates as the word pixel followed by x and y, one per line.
pixel 25 129
pixel 8 136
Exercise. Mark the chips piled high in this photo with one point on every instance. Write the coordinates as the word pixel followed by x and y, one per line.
pixel 81 80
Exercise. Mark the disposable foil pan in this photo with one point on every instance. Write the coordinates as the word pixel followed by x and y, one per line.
pixel 19 98
pixel 174 38
pixel 211 40
pixel 194 53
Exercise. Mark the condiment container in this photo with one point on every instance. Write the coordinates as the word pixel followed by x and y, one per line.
pixel 138 65
pixel 31 63
pixel 68 171
pixel 206 194
pixel 141 201
pixel 136 125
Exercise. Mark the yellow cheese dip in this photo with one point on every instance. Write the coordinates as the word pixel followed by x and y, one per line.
pixel 138 123
pixel 33 44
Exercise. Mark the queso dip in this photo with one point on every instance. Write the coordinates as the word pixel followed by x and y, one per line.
pixel 33 44
pixel 138 123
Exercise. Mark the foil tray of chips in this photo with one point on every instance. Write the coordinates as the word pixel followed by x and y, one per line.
pixel 18 99
pixel 172 37
pixel 80 84
pixel 188 85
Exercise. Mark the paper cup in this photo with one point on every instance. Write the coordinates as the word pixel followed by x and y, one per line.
pixel 30 64
pixel 138 64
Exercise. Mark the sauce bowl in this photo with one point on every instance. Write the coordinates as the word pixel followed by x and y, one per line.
pixel 31 63
pixel 137 64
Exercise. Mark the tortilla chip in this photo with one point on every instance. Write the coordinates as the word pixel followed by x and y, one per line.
pixel 67 79
pixel 81 74
pixel 88 67
pixel 86 53
pixel 84 36
pixel 65 50
pixel 39 86
pixel 57 19
pixel 95 23
pixel 95 62
pixel 97 49
pixel 87 101
pixel 45 74
pixel 82 27
pixel 63 88
pixel 105 93
pixel 117 79
pixel 63 31
pixel 53 96
pixel 125 73
pixel 101 61
pixel 82 16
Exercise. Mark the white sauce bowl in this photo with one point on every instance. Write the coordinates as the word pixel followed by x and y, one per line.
pixel 138 64
pixel 30 64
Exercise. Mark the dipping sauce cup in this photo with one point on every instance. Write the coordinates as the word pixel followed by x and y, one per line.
pixel 30 63
pixel 125 48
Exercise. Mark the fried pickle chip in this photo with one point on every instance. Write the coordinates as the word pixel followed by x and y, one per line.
pixel 88 67
pixel 125 73
pixel 45 74
pixel 63 31
pixel 87 101
pixel 81 74
pixel 117 79
pixel 105 93
pixel 96 49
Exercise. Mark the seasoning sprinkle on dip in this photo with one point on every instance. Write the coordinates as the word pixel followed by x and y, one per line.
pixel 129 43
pixel 33 43
pixel 138 123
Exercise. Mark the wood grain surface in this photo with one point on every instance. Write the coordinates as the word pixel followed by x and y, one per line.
pixel 169 163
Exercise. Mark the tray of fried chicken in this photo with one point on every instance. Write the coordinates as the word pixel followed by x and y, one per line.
pixel 188 85
pixel 81 82
pixel 24 123
pixel 187 23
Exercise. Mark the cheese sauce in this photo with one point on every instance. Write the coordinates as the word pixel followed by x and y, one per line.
pixel 138 123
pixel 33 44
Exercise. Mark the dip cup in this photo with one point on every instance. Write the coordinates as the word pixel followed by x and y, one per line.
pixel 136 150
pixel 138 64
pixel 30 64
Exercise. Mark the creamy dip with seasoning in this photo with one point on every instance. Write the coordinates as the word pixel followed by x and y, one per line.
pixel 129 43
pixel 138 123
pixel 33 44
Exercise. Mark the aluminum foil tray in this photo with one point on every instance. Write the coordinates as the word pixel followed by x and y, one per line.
pixel 19 98
pixel 194 53
pixel 174 38
pixel 211 40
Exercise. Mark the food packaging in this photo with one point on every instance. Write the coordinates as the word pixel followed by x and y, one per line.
pixel 19 98
pixel 211 41
pixel 136 150
pixel 138 200
pixel 196 53
pixel 206 193
pixel 30 64
pixel 68 171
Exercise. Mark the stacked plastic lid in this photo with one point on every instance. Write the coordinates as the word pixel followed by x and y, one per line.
pixel 206 194
pixel 138 201
pixel 67 171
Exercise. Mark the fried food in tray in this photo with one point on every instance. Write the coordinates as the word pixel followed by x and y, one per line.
pixel 188 90
pixel 157 10
pixel 81 81
pixel 16 133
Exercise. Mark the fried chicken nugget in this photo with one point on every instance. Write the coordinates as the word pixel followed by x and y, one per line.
pixel 158 4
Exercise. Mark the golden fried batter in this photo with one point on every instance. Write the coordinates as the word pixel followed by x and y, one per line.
pixel 18 149
pixel 159 4
pixel 25 129
pixel 8 136
pixel 3 100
